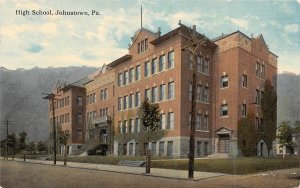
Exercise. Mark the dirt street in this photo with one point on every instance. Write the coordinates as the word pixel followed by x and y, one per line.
pixel 16 174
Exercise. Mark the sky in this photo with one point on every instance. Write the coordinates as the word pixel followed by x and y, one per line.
pixel 61 41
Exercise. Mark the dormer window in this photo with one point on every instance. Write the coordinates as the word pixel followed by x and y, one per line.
pixel 142 46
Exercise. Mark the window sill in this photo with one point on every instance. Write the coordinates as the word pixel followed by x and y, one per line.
pixel 224 87
pixel 203 131
pixel 224 116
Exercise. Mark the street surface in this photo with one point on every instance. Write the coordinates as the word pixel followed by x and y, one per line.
pixel 18 174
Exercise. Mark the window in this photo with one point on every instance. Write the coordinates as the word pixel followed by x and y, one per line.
pixel 125 78
pixel 261 97
pixel 198 122
pixel 257 69
pixel 124 127
pixel 161 63
pixel 120 79
pixel 190 91
pixel 257 98
pixel 224 110
pixel 153 148
pixel 199 63
pixel 190 120
pixel 191 61
pixel 170 148
pixel 206 66
pixel 147 94
pixel 142 46
pixel 130 126
pixel 244 109
pixel 94 97
pixel 131 72
pixel 170 120
pixel 224 81
pixel 146 44
pixel 137 99
pixel 138 72
pixel 137 125
pixel 154 94
pixel 154 66
pixel 161 148
pixel 261 125
pixel 263 71
pixel 79 100
pixel 120 103
pixel 79 117
pixel 147 64
pixel 162 90
pixel 257 123
pixel 205 123
pixel 170 90
pixel 199 87
pixel 198 149
pixel 162 121
pixel 244 80
pixel 103 94
pixel 125 100
pixel 130 101
pixel 139 48
pixel 171 60
pixel 101 112
pixel 205 95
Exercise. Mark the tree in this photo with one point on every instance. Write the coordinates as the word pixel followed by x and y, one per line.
pixel 297 127
pixel 12 144
pixel 30 147
pixel 269 112
pixel 285 132
pixel 3 147
pixel 22 142
pixel 247 135
pixel 63 140
pixel 41 146
pixel 151 119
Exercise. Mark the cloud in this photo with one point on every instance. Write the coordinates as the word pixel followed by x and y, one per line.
pixel 291 28
pixel 238 22
pixel 35 48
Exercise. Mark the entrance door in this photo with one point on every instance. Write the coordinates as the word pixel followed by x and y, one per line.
pixel 224 143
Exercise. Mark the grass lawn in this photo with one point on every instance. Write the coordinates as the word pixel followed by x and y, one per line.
pixel 243 165
pixel 232 166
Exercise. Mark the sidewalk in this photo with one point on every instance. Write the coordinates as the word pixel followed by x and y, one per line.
pixel 155 172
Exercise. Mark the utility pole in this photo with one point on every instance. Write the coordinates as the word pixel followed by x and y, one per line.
pixel 192 48
pixel 51 97
pixel 7 122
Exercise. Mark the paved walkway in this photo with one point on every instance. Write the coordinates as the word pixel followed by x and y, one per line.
pixel 156 172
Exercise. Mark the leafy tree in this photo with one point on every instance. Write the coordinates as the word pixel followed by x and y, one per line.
pixel 12 144
pixel 3 147
pixel 63 140
pixel 285 132
pixel 30 147
pixel 22 140
pixel 269 112
pixel 41 146
pixel 297 127
pixel 247 135
pixel 150 118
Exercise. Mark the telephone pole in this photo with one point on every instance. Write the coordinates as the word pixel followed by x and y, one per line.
pixel 7 122
pixel 192 47
pixel 51 96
